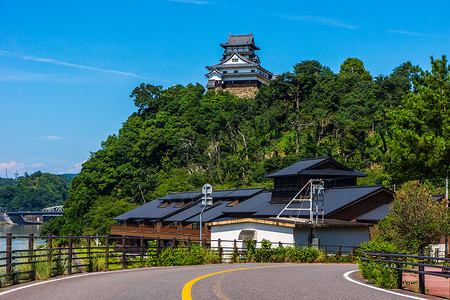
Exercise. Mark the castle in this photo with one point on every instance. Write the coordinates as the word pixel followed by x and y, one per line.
pixel 239 70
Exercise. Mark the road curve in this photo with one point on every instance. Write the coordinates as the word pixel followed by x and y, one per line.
pixel 273 281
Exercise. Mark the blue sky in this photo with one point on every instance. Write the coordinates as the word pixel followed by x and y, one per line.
pixel 67 67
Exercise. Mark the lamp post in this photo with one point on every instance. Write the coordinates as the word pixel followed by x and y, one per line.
pixel 206 201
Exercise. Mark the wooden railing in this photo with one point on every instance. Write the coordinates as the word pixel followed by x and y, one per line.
pixel 88 253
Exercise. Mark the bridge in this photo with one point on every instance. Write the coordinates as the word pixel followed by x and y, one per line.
pixel 33 217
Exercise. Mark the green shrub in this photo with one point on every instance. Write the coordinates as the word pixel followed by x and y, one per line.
pixel 378 272
pixel 181 256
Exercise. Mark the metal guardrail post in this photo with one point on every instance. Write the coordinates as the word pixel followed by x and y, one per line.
pixel 69 254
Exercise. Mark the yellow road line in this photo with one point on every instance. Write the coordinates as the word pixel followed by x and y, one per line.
pixel 186 293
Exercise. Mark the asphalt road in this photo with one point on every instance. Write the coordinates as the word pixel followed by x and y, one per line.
pixel 273 281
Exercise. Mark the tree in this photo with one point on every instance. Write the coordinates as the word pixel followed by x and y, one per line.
pixel 421 127
pixel 415 220
pixel 354 66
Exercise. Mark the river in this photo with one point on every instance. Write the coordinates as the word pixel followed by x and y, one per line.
pixel 22 230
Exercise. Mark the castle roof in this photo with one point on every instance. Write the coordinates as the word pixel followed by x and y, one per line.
pixel 240 40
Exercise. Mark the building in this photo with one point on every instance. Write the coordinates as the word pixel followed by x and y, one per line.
pixel 348 209
pixel 239 70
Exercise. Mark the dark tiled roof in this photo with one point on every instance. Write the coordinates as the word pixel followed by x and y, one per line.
pixel 182 196
pixel 334 199
pixel 332 172
pixel 375 215
pixel 148 210
pixel 251 205
pixel 240 40
pixel 298 167
pixel 210 214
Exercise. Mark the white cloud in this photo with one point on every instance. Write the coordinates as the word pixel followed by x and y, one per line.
pixel 410 33
pixel 37 165
pixel 198 2
pixel 322 20
pixel 76 168
pixel 51 138
pixel 62 63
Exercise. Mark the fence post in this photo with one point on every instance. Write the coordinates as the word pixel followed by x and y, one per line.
pixel 107 252
pixel 157 246
pixel 189 243
pixel 88 242
pixel 325 248
pixel 219 248
pixel 69 254
pixel 399 274
pixel 235 250
pixel 340 249
pixel 421 275
pixel 124 254
pixel 204 242
pixel 142 249
pixel 280 244
pixel 50 247
pixel 8 256
pixel 30 247
pixel 174 242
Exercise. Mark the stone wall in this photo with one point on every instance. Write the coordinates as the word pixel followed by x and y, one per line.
pixel 245 92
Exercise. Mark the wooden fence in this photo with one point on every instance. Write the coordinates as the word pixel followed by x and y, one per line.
pixel 75 254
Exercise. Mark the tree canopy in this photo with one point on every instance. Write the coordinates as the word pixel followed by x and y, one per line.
pixel 182 137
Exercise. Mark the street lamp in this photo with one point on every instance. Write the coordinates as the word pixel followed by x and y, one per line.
pixel 207 200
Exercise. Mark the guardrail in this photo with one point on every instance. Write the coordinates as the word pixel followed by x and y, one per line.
pixel 77 254
pixel 402 262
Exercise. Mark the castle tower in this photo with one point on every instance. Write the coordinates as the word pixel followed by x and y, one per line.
pixel 239 70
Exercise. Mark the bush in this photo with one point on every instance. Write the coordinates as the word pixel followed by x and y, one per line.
pixel 378 272
pixel 181 256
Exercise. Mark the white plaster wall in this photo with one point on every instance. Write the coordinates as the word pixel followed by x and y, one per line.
pixel 215 76
pixel 228 233
pixel 229 62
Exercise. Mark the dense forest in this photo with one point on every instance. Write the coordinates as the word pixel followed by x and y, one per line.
pixel 394 127
pixel 34 192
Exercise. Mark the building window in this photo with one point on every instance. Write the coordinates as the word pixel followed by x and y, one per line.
pixel 195 225
pixel 236 71
pixel 234 60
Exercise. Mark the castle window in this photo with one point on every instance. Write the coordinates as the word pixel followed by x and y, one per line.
pixel 225 72
pixel 234 60
pixel 253 71
pixel 236 71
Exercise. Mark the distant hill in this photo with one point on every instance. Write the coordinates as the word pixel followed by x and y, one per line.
pixel 7 182
pixel 67 178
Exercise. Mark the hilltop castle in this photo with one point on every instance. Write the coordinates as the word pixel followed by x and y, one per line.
pixel 239 70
